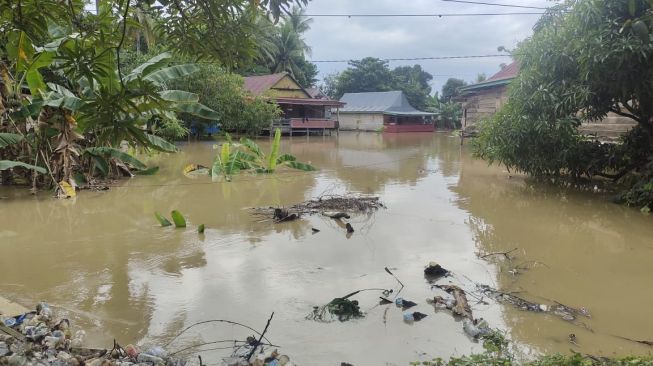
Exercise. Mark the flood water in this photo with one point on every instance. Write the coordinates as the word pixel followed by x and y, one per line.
pixel 102 259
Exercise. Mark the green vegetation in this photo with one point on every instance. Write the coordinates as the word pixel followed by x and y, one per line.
pixel 70 106
pixel 373 75
pixel 586 59
pixel 497 352
pixel 247 155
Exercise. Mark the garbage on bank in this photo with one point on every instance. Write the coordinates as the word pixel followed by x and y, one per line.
pixel 41 338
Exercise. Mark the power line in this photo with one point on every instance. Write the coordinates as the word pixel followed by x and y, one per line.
pixel 420 58
pixel 441 15
pixel 494 4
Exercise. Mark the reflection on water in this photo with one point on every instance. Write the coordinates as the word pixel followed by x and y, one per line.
pixel 103 261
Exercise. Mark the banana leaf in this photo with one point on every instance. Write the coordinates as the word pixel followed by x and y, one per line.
pixel 166 74
pixel 149 171
pixel 197 109
pixel 301 166
pixel 7 139
pixel 7 164
pixel 116 154
pixel 161 144
pixel 178 219
pixel 179 96
pixel 162 220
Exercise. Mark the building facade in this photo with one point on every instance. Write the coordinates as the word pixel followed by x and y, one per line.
pixel 302 111
pixel 382 111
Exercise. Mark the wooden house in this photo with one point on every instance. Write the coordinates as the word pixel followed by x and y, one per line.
pixel 302 111
pixel 486 98
pixel 383 111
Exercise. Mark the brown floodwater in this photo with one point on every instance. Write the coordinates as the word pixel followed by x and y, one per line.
pixel 102 259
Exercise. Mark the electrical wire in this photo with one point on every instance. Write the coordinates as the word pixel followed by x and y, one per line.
pixel 434 15
pixel 495 4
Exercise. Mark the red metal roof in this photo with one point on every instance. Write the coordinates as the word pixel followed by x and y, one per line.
pixel 508 72
pixel 258 85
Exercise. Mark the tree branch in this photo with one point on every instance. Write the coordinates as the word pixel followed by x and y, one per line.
pixel 624 114
pixel 122 40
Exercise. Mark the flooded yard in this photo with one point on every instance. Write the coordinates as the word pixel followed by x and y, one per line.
pixel 102 258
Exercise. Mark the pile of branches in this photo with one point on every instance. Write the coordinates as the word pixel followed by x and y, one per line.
pixel 357 204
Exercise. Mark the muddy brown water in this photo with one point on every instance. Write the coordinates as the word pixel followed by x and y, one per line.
pixel 102 260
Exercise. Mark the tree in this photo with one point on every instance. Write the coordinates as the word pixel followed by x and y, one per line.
pixel 481 78
pixel 585 59
pixel 236 110
pixel 367 75
pixel 451 89
pixel 414 82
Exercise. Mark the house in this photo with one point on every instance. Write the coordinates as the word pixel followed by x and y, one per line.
pixel 484 99
pixel 302 111
pixel 383 111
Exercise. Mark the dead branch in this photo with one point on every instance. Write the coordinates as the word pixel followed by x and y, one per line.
pixel 505 254
pixel 260 338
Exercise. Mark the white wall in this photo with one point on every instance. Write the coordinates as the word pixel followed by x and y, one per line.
pixel 361 121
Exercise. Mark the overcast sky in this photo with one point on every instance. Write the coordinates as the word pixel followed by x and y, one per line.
pixel 355 38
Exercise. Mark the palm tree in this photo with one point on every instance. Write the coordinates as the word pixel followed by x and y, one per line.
pixel 290 49
pixel 300 24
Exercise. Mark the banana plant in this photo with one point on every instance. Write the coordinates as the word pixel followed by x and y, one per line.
pixel 262 163
pixel 247 155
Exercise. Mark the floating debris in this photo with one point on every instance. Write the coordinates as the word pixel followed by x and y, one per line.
pixel 564 312
pixel 434 270
pixel 461 305
pixel 329 205
pixel 414 317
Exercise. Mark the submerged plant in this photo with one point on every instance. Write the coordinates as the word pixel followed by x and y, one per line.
pixel 247 155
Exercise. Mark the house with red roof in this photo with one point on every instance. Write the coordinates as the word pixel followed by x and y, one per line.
pixel 303 110
pixel 486 98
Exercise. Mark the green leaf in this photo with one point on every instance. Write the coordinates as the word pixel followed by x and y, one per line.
pixel 101 164
pixel 200 229
pixel 166 74
pixel 179 96
pixel 161 144
pixel 178 219
pixel 116 154
pixel 7 139
pixel 149 171
pixel 197 109
pixel 162 220
pixel 285 158
pixel 276 143
pixel 149 65
pixel 7 164
pixel 301 166
pixel 251 146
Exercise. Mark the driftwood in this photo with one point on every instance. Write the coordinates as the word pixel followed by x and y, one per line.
pixel 461 306
pixel 560 310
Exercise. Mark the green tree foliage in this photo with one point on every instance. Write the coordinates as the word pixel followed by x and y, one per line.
pixel 374 75
pixel 587 58
pixel 367 75
pixel 236 110
pixel 415 83
pixel 283 48
pixel 451 89
pixel 449 113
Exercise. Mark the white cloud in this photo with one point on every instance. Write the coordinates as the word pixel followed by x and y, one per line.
pixel 403 37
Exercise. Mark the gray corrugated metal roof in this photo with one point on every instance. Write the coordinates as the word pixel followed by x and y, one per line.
pixel 392 102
